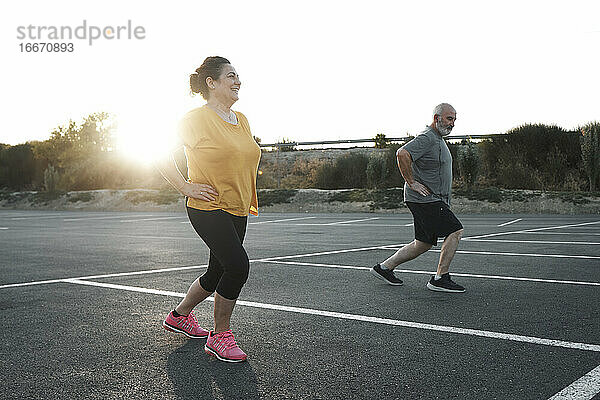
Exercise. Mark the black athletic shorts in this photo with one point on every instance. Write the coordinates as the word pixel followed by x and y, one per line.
pixel 433 220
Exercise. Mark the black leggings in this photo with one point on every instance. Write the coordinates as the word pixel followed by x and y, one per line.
pixel 228 265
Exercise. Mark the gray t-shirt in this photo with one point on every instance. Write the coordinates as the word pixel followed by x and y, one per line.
pixel 431 166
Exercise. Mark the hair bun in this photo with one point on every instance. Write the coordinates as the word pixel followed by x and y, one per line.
pixel 195 83
pixel 211 67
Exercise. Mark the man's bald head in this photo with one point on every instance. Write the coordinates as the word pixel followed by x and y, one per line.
pixel 441 108
pixel 444 116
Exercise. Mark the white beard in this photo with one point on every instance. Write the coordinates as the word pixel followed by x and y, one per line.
pixel 443 130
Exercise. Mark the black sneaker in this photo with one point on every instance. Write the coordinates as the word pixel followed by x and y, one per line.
pixel 444 284
pixel 386 275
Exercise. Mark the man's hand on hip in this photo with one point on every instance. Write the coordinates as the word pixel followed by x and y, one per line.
pixel 419 188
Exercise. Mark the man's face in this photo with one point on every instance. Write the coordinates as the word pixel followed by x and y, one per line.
pixel 445 122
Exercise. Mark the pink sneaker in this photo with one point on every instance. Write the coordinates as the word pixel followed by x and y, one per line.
pixel 186 325
pixel 222 345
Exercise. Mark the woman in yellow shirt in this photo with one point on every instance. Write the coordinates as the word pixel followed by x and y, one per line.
pixel 222 160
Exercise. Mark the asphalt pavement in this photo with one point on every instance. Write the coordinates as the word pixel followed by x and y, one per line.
pixel 83 295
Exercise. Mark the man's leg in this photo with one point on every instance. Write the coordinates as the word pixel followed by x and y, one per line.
pixel 448 250
pixel 442 281
pixel 406 253
pixel 410 251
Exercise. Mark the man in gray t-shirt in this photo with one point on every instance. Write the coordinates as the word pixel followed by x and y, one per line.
pixel 426 165
pixel 431 166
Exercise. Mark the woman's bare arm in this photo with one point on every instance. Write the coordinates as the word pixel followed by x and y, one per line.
pixel 170 171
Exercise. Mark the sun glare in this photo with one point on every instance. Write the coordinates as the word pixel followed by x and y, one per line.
pixel 143 136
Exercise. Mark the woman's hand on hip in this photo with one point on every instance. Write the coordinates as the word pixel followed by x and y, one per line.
pixel 199 191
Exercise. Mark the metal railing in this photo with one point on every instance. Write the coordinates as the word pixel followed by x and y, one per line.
pixel 389 140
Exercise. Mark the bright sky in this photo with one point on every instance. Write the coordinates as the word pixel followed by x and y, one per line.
pixel 310 70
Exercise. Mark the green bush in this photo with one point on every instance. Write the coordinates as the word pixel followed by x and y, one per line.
pixel 381 141
pixel 290 147
pixel 51 179
pixel 532 157
pixel 346 172
pixel 17 166
pixel 468 162
pixel 376 171
pixel 302 174
pixel 393 177
pixel 590 151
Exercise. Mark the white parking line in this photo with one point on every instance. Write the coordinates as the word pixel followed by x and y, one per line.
pixel 496 253
pixel 366 318
pixel 152 271
pixel 34 283
pixel 107 217
pixel 144 272
pixel 585 387
pixel 511 222
pixel 322 253
pixel 279 220
pixel 3 228
pixel 528 241
pixel 7 214
pixel 351 221
pixel 382 247
pixel 277 261
pixel 112 235
pixel 492 253
pixel 531 230
pixel 353 224
pixel 411 271
pixel 39 217
pixel 560 233
pixel 150 219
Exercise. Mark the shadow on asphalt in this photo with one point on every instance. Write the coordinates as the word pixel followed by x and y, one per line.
pixel 196 375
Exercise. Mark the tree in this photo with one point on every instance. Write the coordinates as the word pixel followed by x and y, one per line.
pixel 17 166
pixel 290 147
pixel 51 179
pixel 590 152
pixel 532 156
pixel 80 153
pixel 381 141
pixel 469 162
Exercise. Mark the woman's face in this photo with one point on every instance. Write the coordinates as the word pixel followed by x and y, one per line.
pixel 226 88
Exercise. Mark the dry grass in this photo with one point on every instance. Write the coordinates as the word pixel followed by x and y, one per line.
pixel 311 200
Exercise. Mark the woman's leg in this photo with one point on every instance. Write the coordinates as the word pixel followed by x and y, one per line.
pixel 223 233
pixel 194 296
pixel 224 306
pixel 202 287
pixel 223 310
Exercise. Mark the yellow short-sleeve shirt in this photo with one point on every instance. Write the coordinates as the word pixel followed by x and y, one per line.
pixel 224 156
